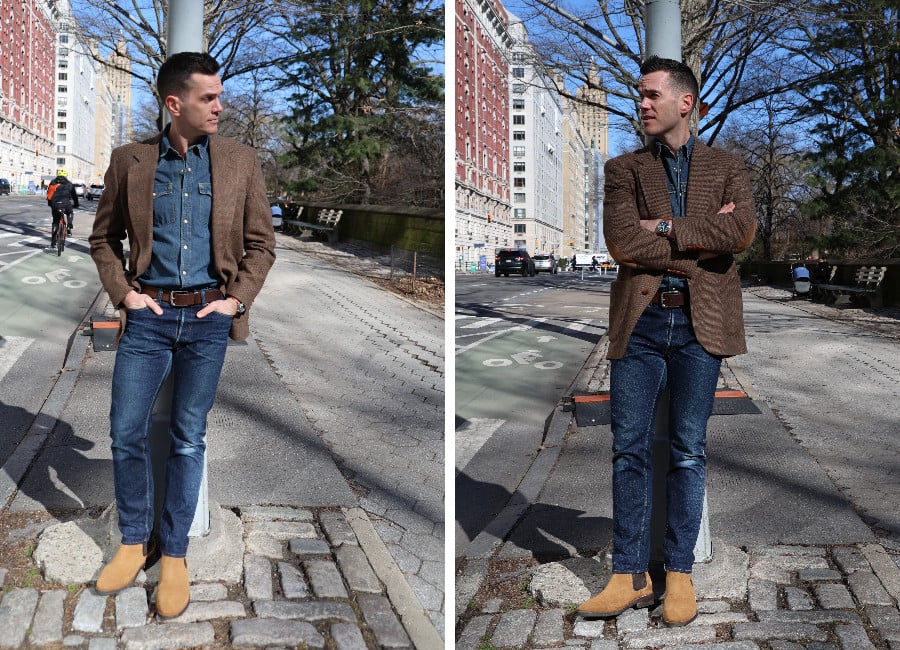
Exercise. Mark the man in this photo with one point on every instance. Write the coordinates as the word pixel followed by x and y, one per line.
pixel 193 206
pixel 675 212
pixel 61 195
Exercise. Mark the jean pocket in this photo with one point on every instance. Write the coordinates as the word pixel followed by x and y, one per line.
pixel 163 204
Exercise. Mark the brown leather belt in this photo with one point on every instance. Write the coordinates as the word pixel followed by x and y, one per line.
pixel 183 298
pixel 669 299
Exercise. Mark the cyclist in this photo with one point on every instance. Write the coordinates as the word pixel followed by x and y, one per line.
pixel 61 195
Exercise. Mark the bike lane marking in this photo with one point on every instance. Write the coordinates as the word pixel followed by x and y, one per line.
pixel 11 348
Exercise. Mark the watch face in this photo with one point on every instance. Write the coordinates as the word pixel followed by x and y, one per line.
pixel 662 227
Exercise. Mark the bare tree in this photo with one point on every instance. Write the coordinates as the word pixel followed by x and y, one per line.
pixel 730 44
pixel 232 33
pixel 775 157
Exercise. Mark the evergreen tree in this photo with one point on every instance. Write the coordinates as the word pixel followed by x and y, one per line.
pixel 855 104
pixel 359 91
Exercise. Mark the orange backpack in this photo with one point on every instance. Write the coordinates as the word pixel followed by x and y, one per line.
pixel 51 190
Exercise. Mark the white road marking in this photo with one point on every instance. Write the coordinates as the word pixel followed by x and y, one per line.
pixel 471 436
pixel 11 348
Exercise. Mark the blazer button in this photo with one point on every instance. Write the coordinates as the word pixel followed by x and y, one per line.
pixel 644 292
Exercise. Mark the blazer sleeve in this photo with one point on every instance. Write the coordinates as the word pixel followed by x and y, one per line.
pixel 629 243
pixel 721 232
pixel 258 239
pixel 109 232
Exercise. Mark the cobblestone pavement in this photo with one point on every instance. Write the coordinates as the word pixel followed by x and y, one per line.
pixel 821 598
pixel 307 583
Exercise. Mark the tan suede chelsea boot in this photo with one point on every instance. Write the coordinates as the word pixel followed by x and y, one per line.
pixel 623 590
pixel 680 600
pixel 174 591
pixel 122 570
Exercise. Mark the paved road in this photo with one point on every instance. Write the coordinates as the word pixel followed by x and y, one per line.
pixel 519 344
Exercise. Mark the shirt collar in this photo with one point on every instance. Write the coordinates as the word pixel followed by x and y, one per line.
pixel 201 147
pixel 684 151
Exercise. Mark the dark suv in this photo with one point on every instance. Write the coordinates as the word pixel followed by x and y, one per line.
pixel 5 187
pixel 513 261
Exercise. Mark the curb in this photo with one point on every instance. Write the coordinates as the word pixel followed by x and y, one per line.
pixel 412 616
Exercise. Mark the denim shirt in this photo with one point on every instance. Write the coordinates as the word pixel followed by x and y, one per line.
pixel 677 167
pixel 182 203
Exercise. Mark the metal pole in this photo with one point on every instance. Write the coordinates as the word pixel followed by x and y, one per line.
pixel 663 36
pixel 185 34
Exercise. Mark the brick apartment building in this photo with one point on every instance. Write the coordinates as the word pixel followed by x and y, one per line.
pixel 483 210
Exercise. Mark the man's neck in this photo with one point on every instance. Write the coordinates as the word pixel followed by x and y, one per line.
pixel 674 140
pixel 179 142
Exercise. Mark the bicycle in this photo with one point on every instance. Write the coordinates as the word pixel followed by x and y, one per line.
pixel 61 229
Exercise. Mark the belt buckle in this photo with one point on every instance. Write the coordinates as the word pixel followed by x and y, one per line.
pixel 173 294
pixel 662 298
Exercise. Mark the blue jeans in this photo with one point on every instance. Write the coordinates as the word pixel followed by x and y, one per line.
pixel 193 350
pixel 662 352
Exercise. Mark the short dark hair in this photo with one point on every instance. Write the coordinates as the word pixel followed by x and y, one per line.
pixel 680 75
pixel 174 76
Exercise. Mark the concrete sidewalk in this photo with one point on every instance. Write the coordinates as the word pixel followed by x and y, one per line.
pixel 292 559
pixel 793 565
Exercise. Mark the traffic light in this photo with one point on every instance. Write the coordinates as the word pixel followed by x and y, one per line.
pixel 489 218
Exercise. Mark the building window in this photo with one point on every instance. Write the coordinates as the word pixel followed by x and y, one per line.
pixel 519 104
pixel 519 228
pixel 519 197
pixel 518 57
pixel 518 88
pixel 60 125
pixel 518 135
pixel 63 76
pixel 63 38
pixel 518 151
pixel 518 167
pixel 62 89
pixel 519 181
pixel 60 162
pixel 518 73
pixel 518 119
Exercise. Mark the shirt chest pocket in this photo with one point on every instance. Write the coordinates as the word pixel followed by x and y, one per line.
pixel 204 202
pixel 163 204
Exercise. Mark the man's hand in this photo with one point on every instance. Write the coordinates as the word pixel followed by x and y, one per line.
pixel 728 207
pixel 135 300
pixel 225 306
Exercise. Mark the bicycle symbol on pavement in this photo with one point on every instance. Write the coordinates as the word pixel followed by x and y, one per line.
pixel 55 277
pixel 523 358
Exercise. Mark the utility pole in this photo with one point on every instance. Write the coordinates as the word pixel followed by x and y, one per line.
pixel 663 39
pixel 185 34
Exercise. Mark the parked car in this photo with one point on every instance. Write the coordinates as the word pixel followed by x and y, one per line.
pixel 79 188
pixel 5 187
pixel 543 262
pixel 513 260
pixel 93 192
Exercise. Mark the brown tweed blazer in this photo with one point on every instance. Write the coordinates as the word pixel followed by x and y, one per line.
pixel 636 189
pixel 243 239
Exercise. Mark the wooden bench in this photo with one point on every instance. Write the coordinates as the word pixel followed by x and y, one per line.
pixel 866 288
pixel 326 224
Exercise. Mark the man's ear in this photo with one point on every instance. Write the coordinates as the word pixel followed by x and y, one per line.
pixel 173 105
pixel 687 103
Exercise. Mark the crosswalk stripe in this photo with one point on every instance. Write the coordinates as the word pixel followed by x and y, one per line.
pixel 471 436
pixel 11 348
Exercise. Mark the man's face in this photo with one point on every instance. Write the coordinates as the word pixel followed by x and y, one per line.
pixel 662 109
pixel 197 113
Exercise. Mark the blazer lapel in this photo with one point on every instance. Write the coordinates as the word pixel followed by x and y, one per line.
pixel 140 191
pixel 224 177
pixel 653 185
pixel 702 167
